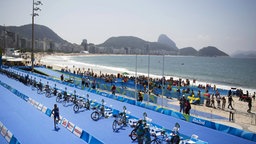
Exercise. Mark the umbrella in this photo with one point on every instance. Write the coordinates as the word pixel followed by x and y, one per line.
pixel 125 73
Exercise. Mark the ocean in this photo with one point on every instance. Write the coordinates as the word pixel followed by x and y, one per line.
pixel 225 72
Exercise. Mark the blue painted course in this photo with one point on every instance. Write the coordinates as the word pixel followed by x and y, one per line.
pixel 102 129
pixel 28 124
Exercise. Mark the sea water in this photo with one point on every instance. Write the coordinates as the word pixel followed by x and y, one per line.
pixel 224 71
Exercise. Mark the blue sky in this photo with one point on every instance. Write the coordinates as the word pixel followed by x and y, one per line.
pixel 230 25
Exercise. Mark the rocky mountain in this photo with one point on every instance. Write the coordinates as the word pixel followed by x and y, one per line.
pixel 211 51
pixel 188 51
pixel 164 39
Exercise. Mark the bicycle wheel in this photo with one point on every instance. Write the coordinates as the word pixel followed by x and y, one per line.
pixel 76 108
pixel 38 91
pixel 133 135
pixel 155 141
pixel 95 116
pixel 47 94
pixel 58 99
pixel 114 126
pixel 64 103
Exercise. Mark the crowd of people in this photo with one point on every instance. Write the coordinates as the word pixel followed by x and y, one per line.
pixel 215 100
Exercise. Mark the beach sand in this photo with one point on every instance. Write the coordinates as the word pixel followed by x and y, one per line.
pixel 242 119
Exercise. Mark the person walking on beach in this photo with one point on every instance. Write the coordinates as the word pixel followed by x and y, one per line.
pixel 212 101
pixel 230 100
pixel 223 102
pixel 249 100
pixel 218 101
pixel 56 115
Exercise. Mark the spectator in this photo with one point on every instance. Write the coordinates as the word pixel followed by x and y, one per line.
pixel 113 89
pixel 140 97
pixel 230 100
pixel 182 103
pixel 218 100
pixel 62 77
pixel 212 101
pixel 187 107
pixel 223 103
pixel 249 100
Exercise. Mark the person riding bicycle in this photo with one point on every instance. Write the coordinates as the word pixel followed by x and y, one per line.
pixel 140 131
pixel 56 115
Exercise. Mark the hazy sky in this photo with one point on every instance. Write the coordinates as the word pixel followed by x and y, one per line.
pixel 230 25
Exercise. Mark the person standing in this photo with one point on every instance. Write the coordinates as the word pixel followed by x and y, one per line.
pixel 182 103
pixel 187 107
pixel 249 100
pixel 113 89
pixel 62 77
pixel 223 102
pixel 56 115
pixel 230 100
pixel 140 132
pixel 212 101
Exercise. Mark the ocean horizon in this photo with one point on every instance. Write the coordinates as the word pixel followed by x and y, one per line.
pixel 225 72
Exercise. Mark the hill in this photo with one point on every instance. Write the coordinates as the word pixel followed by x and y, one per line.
pixel 136 44
pixel 46 40
pixel 211 51
pixel 188 51
pixel 41 32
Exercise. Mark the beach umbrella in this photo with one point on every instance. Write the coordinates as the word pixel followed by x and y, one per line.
pixel 125 73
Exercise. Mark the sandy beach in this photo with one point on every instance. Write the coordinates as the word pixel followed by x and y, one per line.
pixel 242 119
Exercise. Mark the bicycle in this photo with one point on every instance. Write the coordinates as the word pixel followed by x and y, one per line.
pixel 174 137
pixel 61 95
pixel 100 112
pixel 120 120
pixel 48 90
pixel 160 138
pixel 39 87
pixel 82 104
pixel 69 98
pixel 33 84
